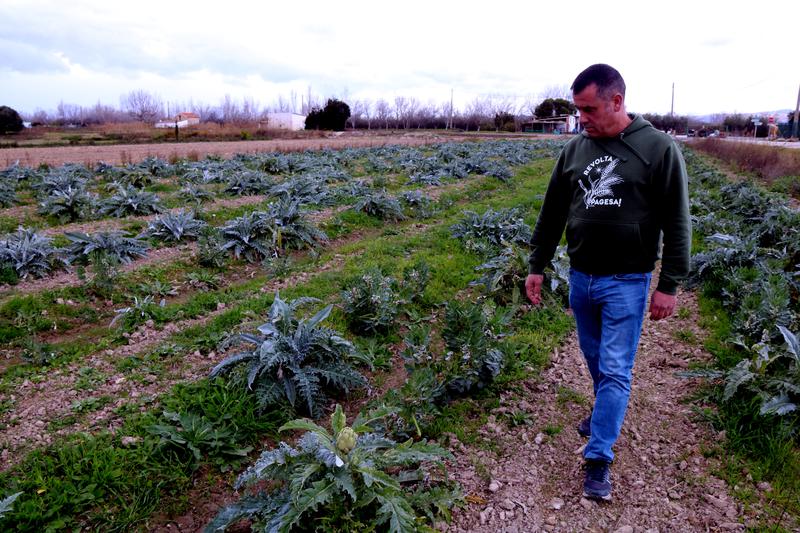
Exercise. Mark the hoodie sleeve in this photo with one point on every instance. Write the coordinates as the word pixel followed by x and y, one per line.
pixel 551 221
pixel 675 221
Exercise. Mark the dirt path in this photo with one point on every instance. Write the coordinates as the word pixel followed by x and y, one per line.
pixel 662 480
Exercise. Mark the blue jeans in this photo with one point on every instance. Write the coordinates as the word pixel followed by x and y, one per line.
pixel 608 311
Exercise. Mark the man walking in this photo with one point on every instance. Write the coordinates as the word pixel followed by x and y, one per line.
pixel 620 189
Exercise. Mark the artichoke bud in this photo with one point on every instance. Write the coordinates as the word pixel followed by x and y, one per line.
pixel 346 440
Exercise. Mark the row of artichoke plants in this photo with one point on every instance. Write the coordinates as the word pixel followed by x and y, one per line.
pixel 380 471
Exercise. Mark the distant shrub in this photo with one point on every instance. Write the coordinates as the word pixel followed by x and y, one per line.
pixel 10 121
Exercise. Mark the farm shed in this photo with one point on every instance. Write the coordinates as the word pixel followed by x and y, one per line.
pixel 181 120
pixel 556 124
pixel 286 121
pixel 190 118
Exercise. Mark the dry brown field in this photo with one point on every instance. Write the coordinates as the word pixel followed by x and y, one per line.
pixel 132 153
pixel 117 154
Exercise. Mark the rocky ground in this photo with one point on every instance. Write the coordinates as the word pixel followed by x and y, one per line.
pixel 531 480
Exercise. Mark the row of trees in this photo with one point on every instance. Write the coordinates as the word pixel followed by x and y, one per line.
pixel 398 113
pixel 491 112
pixel 142 106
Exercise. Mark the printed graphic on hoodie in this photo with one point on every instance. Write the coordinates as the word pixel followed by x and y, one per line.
pixel 599 189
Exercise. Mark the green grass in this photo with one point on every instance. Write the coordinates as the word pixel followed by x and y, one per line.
pixel 347 221
pixel 96 481
pixel 221 216
pixel 566 395
pixel 88 378
pixel 8 224
pixel 789 185
pixel 686 335
pixel 89 405
pixel 552 429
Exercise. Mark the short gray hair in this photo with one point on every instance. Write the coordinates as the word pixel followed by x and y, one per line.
pixel 607 78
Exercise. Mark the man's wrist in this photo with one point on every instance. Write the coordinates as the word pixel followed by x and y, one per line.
pixel 667 288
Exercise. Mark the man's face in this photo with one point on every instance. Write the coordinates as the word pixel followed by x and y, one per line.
pixel 598 115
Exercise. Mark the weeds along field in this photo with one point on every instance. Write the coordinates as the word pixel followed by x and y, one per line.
pixel 777 166
pixel 307 328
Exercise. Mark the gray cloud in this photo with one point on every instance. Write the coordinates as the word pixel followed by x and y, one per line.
pixel 23 57
pixel 33 45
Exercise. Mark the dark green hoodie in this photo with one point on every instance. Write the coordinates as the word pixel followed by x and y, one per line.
pixel 616 196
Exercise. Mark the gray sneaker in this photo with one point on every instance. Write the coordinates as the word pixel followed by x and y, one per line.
pixel 585 427
pixel 597 480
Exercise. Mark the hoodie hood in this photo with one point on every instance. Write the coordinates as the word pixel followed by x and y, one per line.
pixel 624 138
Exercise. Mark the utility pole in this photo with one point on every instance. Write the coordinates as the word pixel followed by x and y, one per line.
pixel 450 119
pixel 672 107
pixel 796 116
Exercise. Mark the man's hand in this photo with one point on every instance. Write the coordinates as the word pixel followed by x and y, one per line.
pixel 533 288
pixel 662 305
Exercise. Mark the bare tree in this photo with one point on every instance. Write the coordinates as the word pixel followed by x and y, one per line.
pixel 366 112
pixel 142 106
pixel 39 116
pixel 101 114
pixel 250 111
pixel 411 112
pixel 356 113
pixel 205 111
pixel 500 103
pixel 68 113
pixel 400 110
pixel 229 108
pixel 383 112
pixel 477 112
pixel 282 105
pixel 528 106
pixel 311 102
pixel 427 115
pixel 555 91
pixel 448 113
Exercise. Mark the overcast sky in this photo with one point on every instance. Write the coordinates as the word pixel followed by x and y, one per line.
pixel 721 56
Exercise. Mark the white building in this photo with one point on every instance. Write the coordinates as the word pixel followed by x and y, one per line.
pixel 181 120
pixel 286 121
